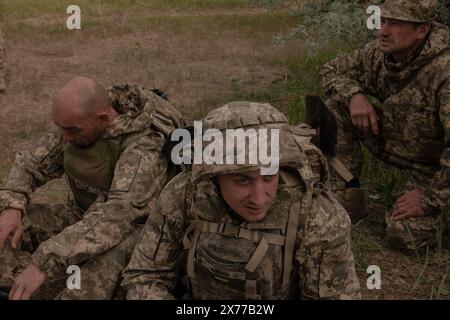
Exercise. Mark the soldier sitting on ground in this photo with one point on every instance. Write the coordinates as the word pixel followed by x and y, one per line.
pixel 408 71
pixel 238 234
pixel 109 146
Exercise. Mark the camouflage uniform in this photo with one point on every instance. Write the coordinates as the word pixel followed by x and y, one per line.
pixel 414 120
pixel 300 249
pixel 99 238
pixel 2 64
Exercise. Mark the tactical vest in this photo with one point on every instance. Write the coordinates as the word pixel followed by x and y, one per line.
pixel 228 260
pixel 90 171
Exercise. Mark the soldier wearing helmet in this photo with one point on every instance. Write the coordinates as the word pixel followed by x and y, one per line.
pixel 407 73
pixel 233 233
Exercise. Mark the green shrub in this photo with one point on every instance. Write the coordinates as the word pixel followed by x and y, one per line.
pixel 323 23
pixel 444 12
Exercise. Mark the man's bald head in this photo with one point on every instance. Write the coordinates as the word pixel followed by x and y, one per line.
pixel 82 95
pixel 83 110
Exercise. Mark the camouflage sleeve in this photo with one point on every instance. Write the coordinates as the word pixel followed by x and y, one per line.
pixel 32 169
pixel 154 266
pixel 438 195
pixel 327 268
pixel 348 75
pixel 138 179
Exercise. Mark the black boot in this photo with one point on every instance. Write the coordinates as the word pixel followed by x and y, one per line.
pixel 4 292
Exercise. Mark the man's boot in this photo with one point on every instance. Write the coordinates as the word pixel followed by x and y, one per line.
pixel 352 199
pixel 4 292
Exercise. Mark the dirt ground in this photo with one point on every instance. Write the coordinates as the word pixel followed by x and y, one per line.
pixel 200 57
pixel 188 55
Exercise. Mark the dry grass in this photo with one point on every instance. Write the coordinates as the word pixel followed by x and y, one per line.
pixel 422 276
pixel 193 55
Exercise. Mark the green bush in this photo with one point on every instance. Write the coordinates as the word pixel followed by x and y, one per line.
pixel 323 23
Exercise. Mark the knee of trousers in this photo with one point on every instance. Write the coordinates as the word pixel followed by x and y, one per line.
pixel 100 276
pixel 412 233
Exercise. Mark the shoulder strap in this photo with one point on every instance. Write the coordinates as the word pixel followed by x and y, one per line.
pixel 297 217
pixel 291 236
pixel 190 242
pixel 341 169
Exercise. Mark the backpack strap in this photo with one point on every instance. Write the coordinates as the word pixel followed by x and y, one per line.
pixel 291 236
pixel 191 245
pixel 297 217
pixel 340 168
pixel 258 255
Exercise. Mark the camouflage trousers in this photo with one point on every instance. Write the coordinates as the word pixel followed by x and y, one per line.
pixel 100 276
pixel 407 234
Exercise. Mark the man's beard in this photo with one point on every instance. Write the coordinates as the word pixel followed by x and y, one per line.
pixel 98 135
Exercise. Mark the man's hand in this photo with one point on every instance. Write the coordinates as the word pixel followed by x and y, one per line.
pixel 10 223
pixel 408 206
pixel 27 283
pixel 363 114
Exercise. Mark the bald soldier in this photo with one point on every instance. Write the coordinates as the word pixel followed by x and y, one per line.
pixel 408 71
pixel 108 144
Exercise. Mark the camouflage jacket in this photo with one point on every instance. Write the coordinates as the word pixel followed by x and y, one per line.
pixel 323 261
pixel 415 104
pixel 139 175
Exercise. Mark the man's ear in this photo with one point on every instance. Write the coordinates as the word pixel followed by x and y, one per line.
pixel 424 30
pixel 103 119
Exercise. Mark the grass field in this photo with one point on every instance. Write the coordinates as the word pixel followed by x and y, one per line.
pixel 203 53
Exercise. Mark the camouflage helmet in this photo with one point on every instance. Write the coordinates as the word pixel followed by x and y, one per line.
pixel 409 10
pixel 242 115
pixel 294 149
